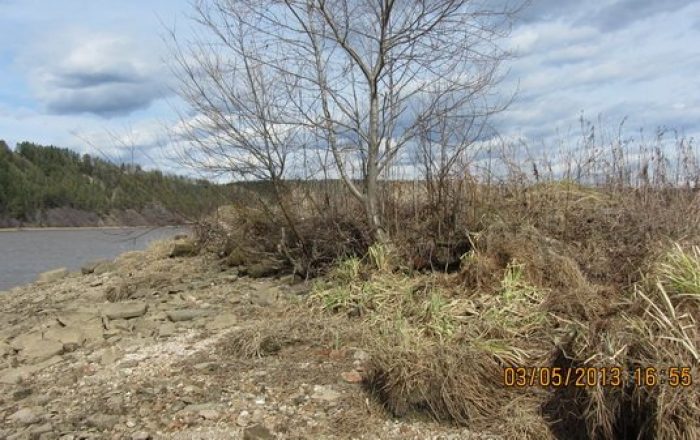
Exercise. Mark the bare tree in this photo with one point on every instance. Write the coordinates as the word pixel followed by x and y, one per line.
pixel 362 79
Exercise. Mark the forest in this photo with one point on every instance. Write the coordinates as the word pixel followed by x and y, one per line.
pixel 36 178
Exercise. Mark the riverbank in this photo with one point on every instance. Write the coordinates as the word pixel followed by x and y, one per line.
pixel 66 217
pixel 181 348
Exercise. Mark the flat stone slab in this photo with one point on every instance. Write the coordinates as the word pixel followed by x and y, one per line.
pixel 41 350
pixel 187 314
pixel 66 335
pixel 125 310
pixel 76 318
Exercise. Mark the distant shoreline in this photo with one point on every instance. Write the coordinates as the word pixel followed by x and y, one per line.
pixel 73 228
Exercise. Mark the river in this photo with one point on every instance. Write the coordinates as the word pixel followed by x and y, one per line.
pixel 24 254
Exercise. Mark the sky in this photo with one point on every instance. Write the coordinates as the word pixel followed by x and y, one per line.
pixel 93 76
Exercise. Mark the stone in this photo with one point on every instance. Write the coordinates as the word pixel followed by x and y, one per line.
pixel 199 407
pixel 351 376
pixel 166 329
pixel 324 393
pixel 41 429
pixel 68 336
pixel 236 258
pixel 264 298
pixel 27 416
pixel 209 414
pixel 221 321
pixel 90 266
pixel 53 275
pixel 183 249
pixel 40 350
pixel 102 421
pixel 76 318
pixel 263 269
pixel 360 355
pixel 144 328
pixel 110 356
pixel 13 376
pixel 21 393
pixel 125 310
pixel 140 435
pixel 257 432
pixel 187 314
pixel 121 292
pixel 243 418
pixel 120 324
pixel 5 349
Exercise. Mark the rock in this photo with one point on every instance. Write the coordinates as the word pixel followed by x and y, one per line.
pixel 264 298
pixel 5 349
pixel 53 275
pixel 125 310
pixel 199 407
pixel 166 329
pixel 263 269
pixel 21 393
pixel 360 355
pixel 236 258
pixel 41 429
pixel 110 356
pixel 187 314
pixel 183 249
pixel 68 336
pixel 209 414
pixel 76 318
pixel 122 291
pixel 326 394
pixel 144 328
pixel 102 422
pixel 120 324
pixel 27 416
pixel 224 320
pixel 257 432
pixel 351 376
pixel 13 376
pixel 243 418
pixel 40 350
pixel 140 435
pixel 93 330
pixel 90 266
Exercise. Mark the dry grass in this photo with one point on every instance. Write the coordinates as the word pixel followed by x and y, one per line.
pixel 567 270
pixel 439 342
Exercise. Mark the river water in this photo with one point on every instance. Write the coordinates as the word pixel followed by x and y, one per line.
pixel 24 254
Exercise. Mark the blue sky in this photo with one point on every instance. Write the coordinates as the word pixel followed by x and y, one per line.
pixel 92 75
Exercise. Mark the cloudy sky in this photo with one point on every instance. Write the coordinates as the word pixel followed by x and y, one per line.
pixel 92 75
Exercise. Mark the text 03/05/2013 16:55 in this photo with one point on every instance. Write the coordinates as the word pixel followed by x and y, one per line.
pixel 597 376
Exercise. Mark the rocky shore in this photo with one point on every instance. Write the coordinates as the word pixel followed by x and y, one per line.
pixel 151 346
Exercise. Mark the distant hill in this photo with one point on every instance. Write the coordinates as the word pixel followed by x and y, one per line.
pixel 51 186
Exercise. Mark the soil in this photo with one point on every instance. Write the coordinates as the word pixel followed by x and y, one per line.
pixel 166 360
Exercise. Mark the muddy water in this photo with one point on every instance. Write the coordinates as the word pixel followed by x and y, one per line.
pixel 24 254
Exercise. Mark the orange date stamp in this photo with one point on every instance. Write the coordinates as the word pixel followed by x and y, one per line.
pixel 557 377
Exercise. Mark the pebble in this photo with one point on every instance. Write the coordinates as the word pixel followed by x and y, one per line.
pixel 243 418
